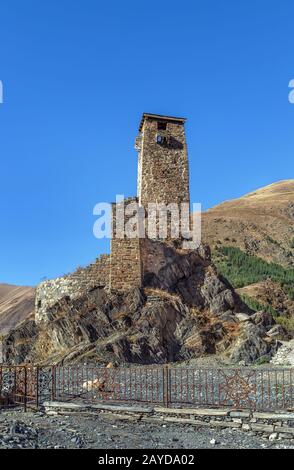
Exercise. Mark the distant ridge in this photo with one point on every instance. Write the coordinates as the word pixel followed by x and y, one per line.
pixel 261 223
pixel 16 305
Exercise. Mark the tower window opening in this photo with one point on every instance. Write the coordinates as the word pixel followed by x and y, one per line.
pixel 161 126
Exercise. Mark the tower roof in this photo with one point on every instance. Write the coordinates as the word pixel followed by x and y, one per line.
pixel 160 117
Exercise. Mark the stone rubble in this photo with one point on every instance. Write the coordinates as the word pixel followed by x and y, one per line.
pixel 285 355
pixel 36 430
pixel 265 424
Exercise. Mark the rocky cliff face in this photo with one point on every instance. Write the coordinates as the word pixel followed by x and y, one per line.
pixel 184 310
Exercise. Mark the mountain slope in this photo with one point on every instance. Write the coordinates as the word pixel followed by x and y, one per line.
pixel 16 305
pixel 272 295
pixel 260 223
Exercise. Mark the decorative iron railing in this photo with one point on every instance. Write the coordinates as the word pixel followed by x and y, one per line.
pixel 254 388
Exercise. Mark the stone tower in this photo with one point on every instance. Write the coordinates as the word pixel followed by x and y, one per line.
pixel 163 171
pixel 163 177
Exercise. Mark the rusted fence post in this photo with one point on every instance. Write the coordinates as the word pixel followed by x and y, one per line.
pixel 53 388
pixel 25 388
pixel 14 394
pixel 37 387
pixel 166 385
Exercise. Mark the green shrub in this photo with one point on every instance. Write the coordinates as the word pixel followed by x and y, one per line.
pixel 262 360
pixel 256 305
pixel 242 269
pixel 287 323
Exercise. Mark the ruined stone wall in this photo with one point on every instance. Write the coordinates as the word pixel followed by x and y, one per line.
pixel 125 264
pixel 125 271
pixel 72 285
pixel 163 173
pixel 270 425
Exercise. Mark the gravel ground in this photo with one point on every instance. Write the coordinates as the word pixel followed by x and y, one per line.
pixel 37 430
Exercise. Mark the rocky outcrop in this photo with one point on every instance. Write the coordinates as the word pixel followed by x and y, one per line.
pixel 252 344
pixel 184 310
pixel 285 355
pixel 17 345
pixel 255 340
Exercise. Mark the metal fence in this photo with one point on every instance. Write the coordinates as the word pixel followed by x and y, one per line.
pixel 259 389
pixel 19 386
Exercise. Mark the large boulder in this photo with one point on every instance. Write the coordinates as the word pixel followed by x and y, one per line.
pixel 252 344
pixel 264 319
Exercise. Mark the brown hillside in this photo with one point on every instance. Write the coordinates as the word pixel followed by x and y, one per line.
pixel 260 223
pixel 16 305
pixel 269 293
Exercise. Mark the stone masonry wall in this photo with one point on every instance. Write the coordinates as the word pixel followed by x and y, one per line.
pixel 163 177
pixel 125 272
pixel 72 285
pixel 163 172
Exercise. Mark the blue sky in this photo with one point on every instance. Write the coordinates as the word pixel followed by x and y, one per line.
pixel 77 76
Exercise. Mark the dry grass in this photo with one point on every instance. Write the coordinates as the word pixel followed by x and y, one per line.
pixel 149 291
pixel 16 305
pixel 259 223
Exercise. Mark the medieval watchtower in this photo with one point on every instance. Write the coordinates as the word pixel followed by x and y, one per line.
pixel 163 177
pixel 163 171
